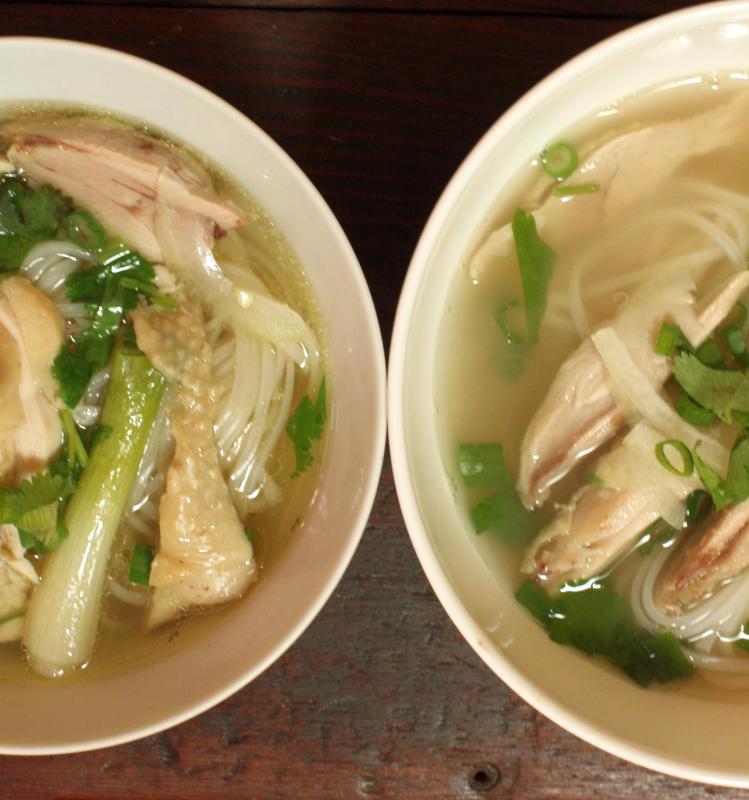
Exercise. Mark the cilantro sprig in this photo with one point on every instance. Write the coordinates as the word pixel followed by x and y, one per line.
pixel 305 426
pixel 34 508
pixel 109 289
pixel 598 621
pixel 27 216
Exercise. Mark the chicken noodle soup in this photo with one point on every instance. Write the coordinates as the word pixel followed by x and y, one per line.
pixel 163 388
pixel 593 384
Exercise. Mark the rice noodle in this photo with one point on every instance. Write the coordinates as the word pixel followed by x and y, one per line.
pixel 707 210
pixel 133 597
pixel 707 628
pixel 48 264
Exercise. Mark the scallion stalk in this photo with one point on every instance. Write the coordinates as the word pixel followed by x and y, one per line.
pixel 63 616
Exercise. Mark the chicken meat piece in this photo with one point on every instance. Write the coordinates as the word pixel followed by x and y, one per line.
pixel 628 168
pixel 17 579
pixel 602 522
pixel 204 557
pixel 579 412
pixel 153 196
pixel 31 334
pixel 718 553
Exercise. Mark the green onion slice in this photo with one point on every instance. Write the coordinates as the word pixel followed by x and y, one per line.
pixel 140 564
pixel 482 464
pixel 687 462
pixel 559 160
pixel 85 231
pixel 580 188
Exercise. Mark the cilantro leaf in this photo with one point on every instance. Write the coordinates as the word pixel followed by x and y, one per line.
pixel 34 508
pixel 536 263
pixel 27 216
pixel 718 390
pixel 73 373
pixel 735 487
pixel 503 513
pixel 598 621
pixel 110 289
pixel 306 425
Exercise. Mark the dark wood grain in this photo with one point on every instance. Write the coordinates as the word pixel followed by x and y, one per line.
pixel 378 109
pixel 571 8
pixel 381 698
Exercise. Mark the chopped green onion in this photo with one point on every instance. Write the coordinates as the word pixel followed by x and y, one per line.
pixel 482 464
pixel 536 264
pixel 592 479
pixel 140 564
pixel 250 534
pixel 580 188
pixel 698 506
pixel 671 340
pixel 693 412
pixel 687 462
pixel 84 230
pixel 503 513
pixel 559 160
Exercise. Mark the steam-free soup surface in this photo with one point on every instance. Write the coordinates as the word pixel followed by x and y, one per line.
pixel 653 214
pixel 249 379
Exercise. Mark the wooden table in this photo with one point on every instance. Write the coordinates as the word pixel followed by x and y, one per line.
pixel 378 101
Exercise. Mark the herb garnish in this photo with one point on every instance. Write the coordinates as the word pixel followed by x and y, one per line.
pixel 306 425
pixel 27 216
pixel 598 621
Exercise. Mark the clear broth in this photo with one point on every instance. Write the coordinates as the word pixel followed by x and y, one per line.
pixel 123 643
pixel 475 401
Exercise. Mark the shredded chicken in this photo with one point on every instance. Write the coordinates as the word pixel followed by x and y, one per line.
pixel 601 523
pixel 145 191
pixel 579 413
pixel 17 579
pixel 718 553
pixel 31 424
pixel 31 333
pixel 204 556
pixel 628 168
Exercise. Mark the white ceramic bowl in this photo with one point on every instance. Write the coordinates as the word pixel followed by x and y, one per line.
pixel 676 733
pixel 63 717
